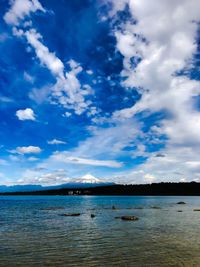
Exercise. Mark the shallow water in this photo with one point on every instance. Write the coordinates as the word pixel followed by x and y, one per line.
pixel 33 234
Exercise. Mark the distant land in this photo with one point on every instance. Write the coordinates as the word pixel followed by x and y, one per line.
pixel 154 189
pixel 85 181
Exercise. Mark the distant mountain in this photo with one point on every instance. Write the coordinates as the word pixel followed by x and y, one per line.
pixel 21 188
pixel 89 179
pixel 85 181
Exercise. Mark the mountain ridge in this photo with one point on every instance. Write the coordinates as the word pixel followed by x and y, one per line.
pixel 85 181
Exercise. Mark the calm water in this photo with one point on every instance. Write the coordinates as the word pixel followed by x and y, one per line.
pixel 33 234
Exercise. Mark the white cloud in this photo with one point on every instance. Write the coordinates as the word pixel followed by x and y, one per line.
pixel 90 72
pixel 162 54
pixel 25 114
pixel 172 163
pixel 162 42
pixel 20 9
pixel 53 63
pixel 34 176
pixel 56 142
pixel 67 91
pixel 27 150
pixel 67 114
pixel 40 95
pixel 64 157
pixel 149 178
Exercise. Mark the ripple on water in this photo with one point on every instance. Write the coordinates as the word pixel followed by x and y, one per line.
pixel 32 233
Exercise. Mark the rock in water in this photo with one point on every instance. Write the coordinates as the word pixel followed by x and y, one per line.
pixel 129 218
pixel 92 216
pixel 155 207
pixel 113 208
pixel 196 209
pixel 181 202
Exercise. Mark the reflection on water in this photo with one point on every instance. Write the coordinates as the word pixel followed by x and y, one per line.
pixel 33 234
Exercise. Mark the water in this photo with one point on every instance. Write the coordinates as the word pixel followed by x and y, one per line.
pixel 32 232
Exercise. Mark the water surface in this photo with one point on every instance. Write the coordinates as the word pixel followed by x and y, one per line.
pixel 32 232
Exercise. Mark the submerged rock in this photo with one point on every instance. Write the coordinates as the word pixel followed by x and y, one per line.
pixel 113 208
pixel 196 209
pixel 181 202
pixel 179 211
pixel 129 218
pixel 155 207
pixel 92 215
pixel 70 214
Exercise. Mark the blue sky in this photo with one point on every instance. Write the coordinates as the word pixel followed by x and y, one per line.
pixel 106 88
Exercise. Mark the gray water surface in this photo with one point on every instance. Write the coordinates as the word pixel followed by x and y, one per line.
pixel 32 232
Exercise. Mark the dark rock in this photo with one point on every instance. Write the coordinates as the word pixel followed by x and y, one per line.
pixel 113 208
pixel 179 211
pixel 70 214
pixel 118 217
pixel 155 207
pixel 181 202
pixel 129 218
pixel 196 209
pixel 92 216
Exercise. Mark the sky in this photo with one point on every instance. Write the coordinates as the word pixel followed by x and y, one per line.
pixel 99 87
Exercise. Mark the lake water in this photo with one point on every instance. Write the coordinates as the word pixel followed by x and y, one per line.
pixel 32 232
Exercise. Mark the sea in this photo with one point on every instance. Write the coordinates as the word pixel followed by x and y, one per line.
pixel 33 231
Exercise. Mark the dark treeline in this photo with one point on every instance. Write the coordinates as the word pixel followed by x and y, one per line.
pixel 155 189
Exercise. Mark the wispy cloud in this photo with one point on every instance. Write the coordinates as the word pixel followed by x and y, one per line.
pixel 56 142
pixel 64 157
pixel 67 91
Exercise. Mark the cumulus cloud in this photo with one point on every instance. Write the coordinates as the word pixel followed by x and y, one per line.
pixel 173 163
pixel 56 142
pixel 158 43
pixel 25 114
pixel 27 150
pixel 20 9
pixel 67 114
pixel 39 176
pixel 161 52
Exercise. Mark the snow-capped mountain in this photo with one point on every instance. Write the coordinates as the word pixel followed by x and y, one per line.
pixel 85 181
pixel 89 179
